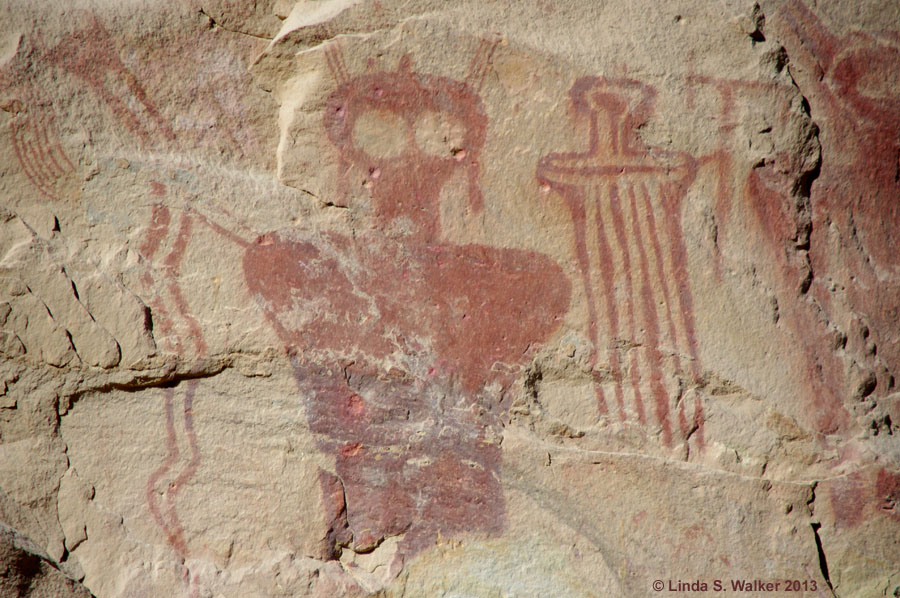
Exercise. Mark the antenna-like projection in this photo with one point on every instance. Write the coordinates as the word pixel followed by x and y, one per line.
pixel 481 62
pixel 405 65
pixel 334 57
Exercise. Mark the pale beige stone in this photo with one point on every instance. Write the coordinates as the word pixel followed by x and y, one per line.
pixel 425 298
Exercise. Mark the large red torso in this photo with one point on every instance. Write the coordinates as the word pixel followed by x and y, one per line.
pixel 459 309
pixel 403 344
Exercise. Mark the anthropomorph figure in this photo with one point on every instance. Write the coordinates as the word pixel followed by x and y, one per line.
pixel 403 346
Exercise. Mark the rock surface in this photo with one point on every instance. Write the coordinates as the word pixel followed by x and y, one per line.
pixel 426 298
pixel 26 571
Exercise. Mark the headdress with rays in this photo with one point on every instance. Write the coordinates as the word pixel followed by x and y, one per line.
pixel 409 179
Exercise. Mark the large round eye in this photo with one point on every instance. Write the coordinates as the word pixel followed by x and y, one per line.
pixel 440 134
pixel 381 133
pixel 880 74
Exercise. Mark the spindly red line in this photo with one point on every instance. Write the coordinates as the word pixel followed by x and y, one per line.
pixel 669 195
pixel 660 270
pixel 682 420
pixel 698 423
pixel 612 313
pixel 486 51
pixel 173 263
pixel 476 59
pixel 651 323
pixel 159 226
pixel 172 530
pixel 191 469
pixel 621 237
pixel 30 172
pixel 575 203
pixel 222 231
pixel 47 151
pixel 339 57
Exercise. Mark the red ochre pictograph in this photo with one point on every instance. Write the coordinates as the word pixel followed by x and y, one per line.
pixel 403 346
pixel 625 203
pixel 90 54
pixel 852 85
pixel 166 481
pixel 33 134
pixel 412 337
pixel 39 153
pixel 854 199
pixel 768 190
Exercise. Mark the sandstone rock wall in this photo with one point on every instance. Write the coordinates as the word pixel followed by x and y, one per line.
pixel 471 298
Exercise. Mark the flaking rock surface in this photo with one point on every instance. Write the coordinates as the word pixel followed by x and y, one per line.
pixel 454 299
